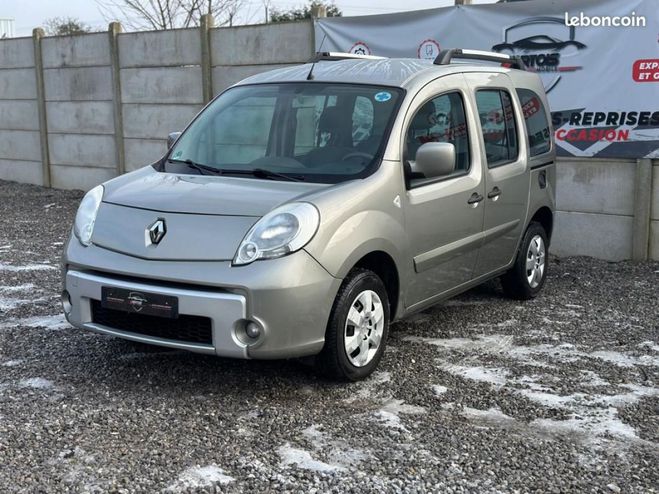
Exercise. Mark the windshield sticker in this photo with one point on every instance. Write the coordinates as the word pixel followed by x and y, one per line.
pixel 383 96
pixel 177 154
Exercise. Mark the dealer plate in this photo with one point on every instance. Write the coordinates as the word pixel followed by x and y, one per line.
pixel 137 302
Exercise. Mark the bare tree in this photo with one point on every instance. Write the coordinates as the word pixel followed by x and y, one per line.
pixel 168 14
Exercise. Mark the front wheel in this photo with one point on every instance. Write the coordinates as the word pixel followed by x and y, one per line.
pixel 527 276
pixel 357 330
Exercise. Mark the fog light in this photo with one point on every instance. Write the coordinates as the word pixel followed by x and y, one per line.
pixel 253 330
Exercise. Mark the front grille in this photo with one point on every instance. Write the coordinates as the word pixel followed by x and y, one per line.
pixel 188 329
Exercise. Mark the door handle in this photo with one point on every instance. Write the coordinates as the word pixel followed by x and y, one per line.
pixel 494 194
pixel 475 199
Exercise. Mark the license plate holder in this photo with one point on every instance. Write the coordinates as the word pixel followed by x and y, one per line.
pixel 139 302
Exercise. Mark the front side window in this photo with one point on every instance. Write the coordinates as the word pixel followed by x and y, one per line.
pixel 309 131
pixel 537 124
pixel 442 119
pixel 497 118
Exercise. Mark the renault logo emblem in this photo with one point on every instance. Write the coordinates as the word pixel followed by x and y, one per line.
pixel 156 232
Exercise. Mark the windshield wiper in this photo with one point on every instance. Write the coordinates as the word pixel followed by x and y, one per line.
pixel 202 169
pixel 262 173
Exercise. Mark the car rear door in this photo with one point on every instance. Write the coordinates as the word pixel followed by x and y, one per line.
pixel 506 171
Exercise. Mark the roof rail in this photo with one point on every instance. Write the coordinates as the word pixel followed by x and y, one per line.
pixel 446 56
pixel 331 56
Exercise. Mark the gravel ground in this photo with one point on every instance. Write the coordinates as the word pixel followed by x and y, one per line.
pixel 480 394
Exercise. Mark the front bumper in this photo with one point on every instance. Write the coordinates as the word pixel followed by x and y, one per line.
pixel 290 298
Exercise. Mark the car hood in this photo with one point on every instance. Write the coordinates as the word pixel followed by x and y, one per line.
pixel 202 194
pixel 204 218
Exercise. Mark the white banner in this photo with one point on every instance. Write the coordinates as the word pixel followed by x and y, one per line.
pixel 600 64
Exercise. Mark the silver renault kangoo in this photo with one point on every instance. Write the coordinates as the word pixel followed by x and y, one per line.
pixel 305 209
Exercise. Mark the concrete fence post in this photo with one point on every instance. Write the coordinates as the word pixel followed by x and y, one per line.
pixel 642 210
pixel 317 11
pixel 37 34
pixel 113 32
pixel 205 25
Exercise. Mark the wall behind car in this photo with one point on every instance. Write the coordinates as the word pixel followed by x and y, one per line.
pixel 78 110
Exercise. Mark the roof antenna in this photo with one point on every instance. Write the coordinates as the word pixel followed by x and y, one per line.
pixel 313 64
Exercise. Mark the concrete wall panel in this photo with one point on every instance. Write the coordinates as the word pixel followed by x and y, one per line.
pixel 81 84
pixel 654 240
pixel 162 85
pixel 64 51
pixel 161 48
pixel 597 235
pixel 262 44
pixel 82 117
pixel 18 84
pixel 655 192
pixel 82 150
pixel 17 52
pixel 225 76
pixel 19 115
pixel 595 186
pixel 25 172
pixel 75 177
pixel 142 152
pixel 20 145
pixel 157 121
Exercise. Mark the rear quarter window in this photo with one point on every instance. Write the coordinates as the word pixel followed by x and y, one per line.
pixel 537 123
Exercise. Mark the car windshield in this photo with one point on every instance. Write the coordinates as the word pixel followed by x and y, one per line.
pixel 312 131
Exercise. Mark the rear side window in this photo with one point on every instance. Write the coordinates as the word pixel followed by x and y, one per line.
pixel 537 124
pixel 497 118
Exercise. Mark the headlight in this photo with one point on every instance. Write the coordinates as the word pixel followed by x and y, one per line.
pixel 86 215
pixel 283 230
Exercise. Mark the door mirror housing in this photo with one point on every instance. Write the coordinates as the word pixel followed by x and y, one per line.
pixel 171 139
pixel 435 159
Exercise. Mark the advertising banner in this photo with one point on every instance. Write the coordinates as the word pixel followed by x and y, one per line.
pixel 598 59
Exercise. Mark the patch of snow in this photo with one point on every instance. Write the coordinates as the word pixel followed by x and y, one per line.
pixel 303 459
pixel 7 304
pixel 26 287
pixel 597 423
pixel 480 374
pixel 389 419
pixel 53 323
pixel 399 406
pixel 622 360
pixel 27 267
pixel 369 388
pixel 388 415
pixel 491 414
pixel 338 452
pixel 593 379
pixel 650 345
pixel 36 383
pixel 548 399
pixel 13 363
pixel 438 390
pixel 200 478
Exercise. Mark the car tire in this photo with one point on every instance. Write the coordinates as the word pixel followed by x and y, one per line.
pixel 528 274
pixel 356 334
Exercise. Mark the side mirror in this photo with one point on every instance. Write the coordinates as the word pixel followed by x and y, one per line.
pixel 435 159
pixel 171 139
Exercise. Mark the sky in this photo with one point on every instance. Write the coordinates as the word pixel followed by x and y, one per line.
pixel 28 14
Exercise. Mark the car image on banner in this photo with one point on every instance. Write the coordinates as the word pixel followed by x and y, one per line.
pixel 602 82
